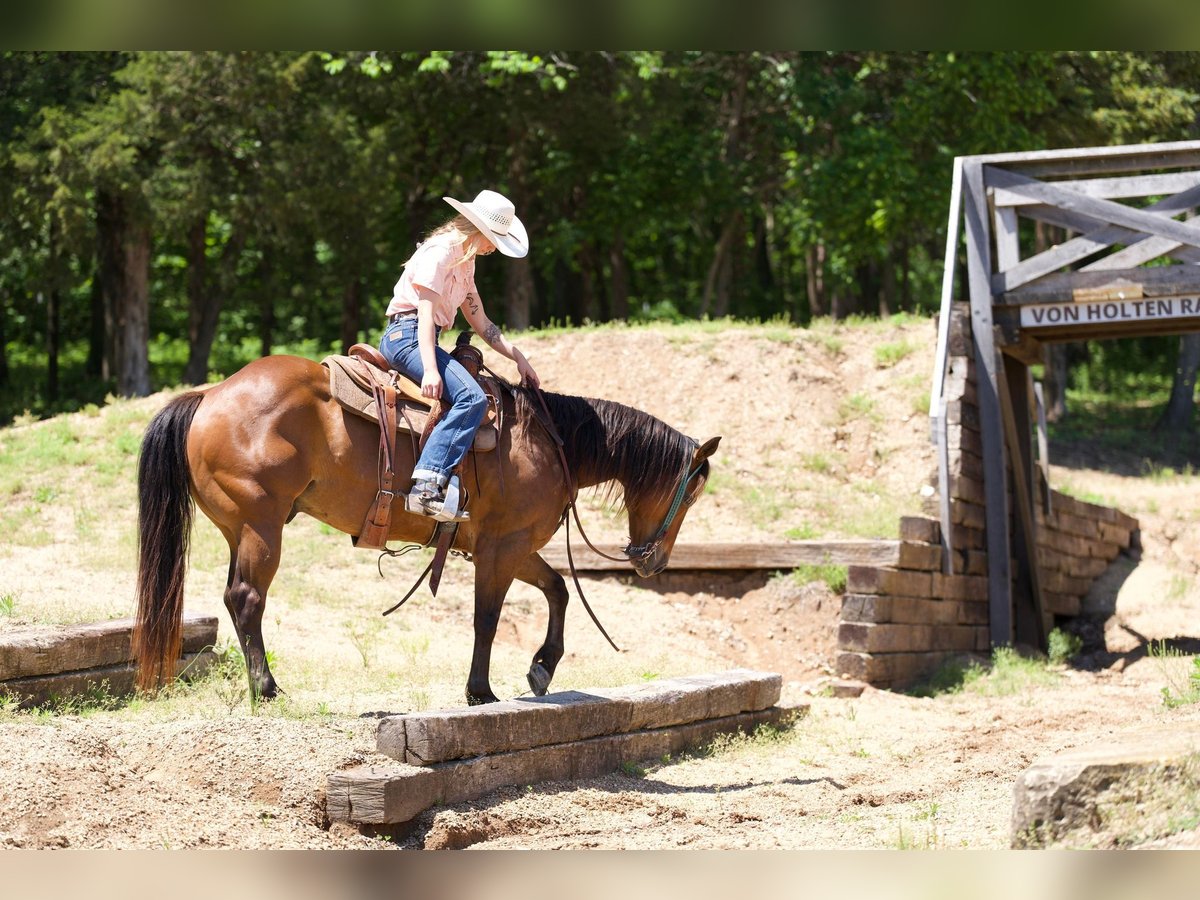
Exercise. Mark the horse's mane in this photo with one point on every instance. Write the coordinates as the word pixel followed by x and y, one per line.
pixel 614 444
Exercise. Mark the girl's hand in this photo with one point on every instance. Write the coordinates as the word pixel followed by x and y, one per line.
pixel 525 370
pixel 431 385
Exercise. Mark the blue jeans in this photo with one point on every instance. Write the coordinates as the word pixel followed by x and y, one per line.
pixel 454 434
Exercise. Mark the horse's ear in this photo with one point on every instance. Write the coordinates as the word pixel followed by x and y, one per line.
pixel 707 449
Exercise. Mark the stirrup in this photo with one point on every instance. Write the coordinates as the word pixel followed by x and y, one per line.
pixel 428 498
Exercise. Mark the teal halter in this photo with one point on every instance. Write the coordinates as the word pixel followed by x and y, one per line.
pixel 644 551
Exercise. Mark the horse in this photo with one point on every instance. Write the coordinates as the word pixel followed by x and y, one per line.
pixel 270 442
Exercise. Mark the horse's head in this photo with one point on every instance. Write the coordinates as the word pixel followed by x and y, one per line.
pixel 654 523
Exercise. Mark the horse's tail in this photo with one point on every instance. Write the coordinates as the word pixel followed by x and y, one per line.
pixel 164 532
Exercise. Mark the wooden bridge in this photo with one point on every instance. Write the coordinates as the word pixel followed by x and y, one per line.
pixel 1128 268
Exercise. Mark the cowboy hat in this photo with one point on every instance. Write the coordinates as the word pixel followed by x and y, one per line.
pixel 495 216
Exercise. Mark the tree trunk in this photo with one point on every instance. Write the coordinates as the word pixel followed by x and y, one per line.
pixel 1055 382
pixel 124 263
pixel 618 292
pixel 588 298
pixel 888 295
pixel 351 312
pixel 202 318
pixel 763 268
pixel 53 316
pixel 720 271
pixel 206 295
pixel 520 294
pixel 1179 416
pixel 97 359
pixel 266 307
pixel 4 377
pixel 815 280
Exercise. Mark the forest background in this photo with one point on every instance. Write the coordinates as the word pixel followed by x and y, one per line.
pixel 167 216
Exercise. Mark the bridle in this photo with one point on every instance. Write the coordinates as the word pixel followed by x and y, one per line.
pixel 633 555
pixel 682 500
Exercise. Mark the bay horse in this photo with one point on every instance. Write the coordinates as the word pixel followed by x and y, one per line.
pixel 270 442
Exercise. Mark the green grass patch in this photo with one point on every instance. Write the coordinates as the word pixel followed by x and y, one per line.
pixel 818 463
pixel 1006 673
pixel 857 406
pixel 1086 496
pixel 1062 646
pixel 1183 682
pixel 805 532
pixel 889 354
pixel 832 574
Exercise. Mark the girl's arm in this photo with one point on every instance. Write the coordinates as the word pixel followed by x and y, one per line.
pixel 486 329
pixel 431 380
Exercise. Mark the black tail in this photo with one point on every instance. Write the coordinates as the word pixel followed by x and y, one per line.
pixel 164 532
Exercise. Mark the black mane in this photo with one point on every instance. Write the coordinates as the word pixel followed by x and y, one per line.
pixel 605 441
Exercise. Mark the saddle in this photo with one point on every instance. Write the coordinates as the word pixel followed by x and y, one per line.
pixel 352 381
pixel 363 383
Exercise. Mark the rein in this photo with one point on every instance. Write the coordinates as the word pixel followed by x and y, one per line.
pixel 570 507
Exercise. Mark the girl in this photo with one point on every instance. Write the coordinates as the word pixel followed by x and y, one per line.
pixel 438 280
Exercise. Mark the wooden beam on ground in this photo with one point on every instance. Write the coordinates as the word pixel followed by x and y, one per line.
pixel 392 794
pixel 432 737
pixel 112 681
pixel 706 556
pixel 41 663
pixel 44 650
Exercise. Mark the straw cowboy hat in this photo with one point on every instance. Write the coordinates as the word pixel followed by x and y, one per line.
pixel 495 216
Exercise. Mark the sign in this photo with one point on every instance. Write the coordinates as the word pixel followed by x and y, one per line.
pixel 1102 312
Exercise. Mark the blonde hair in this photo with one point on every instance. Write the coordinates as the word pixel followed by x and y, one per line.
pixel 462 229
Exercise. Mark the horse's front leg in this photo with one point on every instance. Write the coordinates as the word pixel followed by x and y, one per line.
pixel 496 564
pixel 537 572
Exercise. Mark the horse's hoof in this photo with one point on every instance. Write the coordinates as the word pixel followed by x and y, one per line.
pixel 539 679
pixel 478 700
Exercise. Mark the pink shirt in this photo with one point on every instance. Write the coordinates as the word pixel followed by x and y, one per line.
pixel 432 267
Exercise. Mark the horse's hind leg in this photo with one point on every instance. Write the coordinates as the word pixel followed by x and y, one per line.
pixel 252 567
pixel 537 572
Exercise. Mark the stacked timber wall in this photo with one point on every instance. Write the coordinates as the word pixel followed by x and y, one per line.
pixel 901 622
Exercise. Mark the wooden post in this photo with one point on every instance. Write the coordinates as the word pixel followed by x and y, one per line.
pixel 1043 444
pixel 1030 625
pixel 979 266
pixel 937 399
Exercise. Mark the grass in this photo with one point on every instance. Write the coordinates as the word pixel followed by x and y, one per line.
pixel 1007 673
pixel 857 406
pixel 832 574
pixel 889 354
pixel 1182 686
pixel 1062 646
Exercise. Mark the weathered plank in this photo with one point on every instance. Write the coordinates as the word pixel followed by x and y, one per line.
pixel 433 737
pixel 987 355
pixel 1112 188
pixel 703 556
pixel 378 795
pixel 28 652
pixel 116 681
pixel 1153 281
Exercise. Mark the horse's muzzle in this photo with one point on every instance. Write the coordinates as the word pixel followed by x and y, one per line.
pixel 650 563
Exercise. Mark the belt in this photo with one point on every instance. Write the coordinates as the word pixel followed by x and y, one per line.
pixel 392 320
